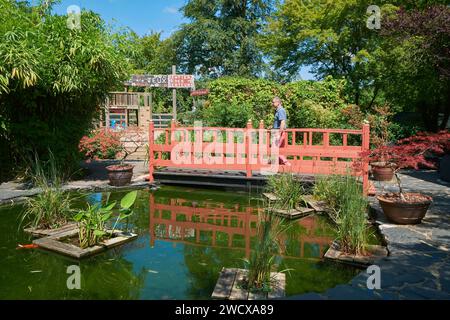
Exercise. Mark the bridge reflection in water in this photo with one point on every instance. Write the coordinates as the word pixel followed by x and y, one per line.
pixel 213 224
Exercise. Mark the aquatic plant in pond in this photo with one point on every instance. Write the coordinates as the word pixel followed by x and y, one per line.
pixel 52 207
pixel 345 198
pixel 262 261
pixel 92 221
pixel 288 190
pixel 163 265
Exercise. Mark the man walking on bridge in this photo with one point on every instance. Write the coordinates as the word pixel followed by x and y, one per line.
pixel 280 126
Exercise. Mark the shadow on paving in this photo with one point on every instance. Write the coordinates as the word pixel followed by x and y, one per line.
pixel 428 176
pixel 420 272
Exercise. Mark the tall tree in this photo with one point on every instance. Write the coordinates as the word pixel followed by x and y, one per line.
pixel 52 79
pixel 333 36
pixel 220 38
pixel 330 35
pixel 420 40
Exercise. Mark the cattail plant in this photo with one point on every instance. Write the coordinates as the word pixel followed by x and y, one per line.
pixel 262 261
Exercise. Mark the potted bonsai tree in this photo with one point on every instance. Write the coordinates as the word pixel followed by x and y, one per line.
pixel 118 145
pixel 414 152
pixel 382 168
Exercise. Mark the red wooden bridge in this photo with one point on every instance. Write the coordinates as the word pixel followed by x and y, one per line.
pixel 249 153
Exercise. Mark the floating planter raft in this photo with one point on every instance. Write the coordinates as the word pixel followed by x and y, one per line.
pixel 271 197
pixel 376 253
pixel 296 213
pixel 38 233
pixel 229 286
pixel 63 243
pixel 318 206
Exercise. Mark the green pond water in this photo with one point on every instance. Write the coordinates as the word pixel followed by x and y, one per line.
pixel 186 237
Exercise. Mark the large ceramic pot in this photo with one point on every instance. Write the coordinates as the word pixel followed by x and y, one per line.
pixel 411 210
pixel 444 168
pixel 382 171
pixel 120 175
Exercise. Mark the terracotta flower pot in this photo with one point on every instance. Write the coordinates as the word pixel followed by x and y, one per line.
pixel 382 171
pixel 404 212
pixel 120 175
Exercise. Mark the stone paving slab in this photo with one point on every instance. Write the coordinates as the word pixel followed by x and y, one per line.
pixel 96 181
pixel 418 267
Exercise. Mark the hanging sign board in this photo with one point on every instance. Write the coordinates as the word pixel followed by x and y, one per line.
pixel 201 92
pixel 162 81
pixel 181 81
pixel 149 81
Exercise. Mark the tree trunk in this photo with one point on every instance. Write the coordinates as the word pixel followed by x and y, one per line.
pixel 430 115
pixel 375 94
pixel 446 105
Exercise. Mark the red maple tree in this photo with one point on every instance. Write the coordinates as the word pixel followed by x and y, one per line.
pixel 416 152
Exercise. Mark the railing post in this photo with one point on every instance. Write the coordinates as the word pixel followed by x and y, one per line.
pixel 151 138
pixel 248 141
pixel 261 150
pixel 366 147
pixel 173 126
pixel 261 125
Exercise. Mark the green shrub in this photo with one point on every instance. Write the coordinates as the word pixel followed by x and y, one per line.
pixel 230 115
pixel 52 79
pixel 309 104
pixel 344 195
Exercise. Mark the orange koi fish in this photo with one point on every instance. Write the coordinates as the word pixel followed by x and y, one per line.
pixel 27 246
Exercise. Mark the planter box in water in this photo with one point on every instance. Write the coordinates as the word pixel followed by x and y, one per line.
pixel 376 253
pixel 297 213
pixel 67 243
pixel 39 233
pixel 229 286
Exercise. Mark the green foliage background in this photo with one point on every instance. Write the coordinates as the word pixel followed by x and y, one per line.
pixel 52 80
pixel 309 104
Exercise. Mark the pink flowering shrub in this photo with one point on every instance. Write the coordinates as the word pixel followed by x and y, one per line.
pixel 101 144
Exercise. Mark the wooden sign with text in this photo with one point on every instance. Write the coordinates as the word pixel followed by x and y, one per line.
pixel 162 81
pixel 181 81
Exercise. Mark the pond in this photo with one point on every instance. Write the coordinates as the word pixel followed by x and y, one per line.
pixel 186 237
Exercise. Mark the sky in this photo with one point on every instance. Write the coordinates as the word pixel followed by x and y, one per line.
pixel 142 16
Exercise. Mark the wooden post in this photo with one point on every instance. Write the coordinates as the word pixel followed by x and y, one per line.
pixel 173 126
pixel 366 147
pixel 151 138
pixel 248 141
pixel 174 95
pixel 107 117
pixel 262 149
pixel 151 106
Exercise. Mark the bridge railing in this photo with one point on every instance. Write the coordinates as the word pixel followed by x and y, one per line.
pixel 256 150
pixel 181 222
